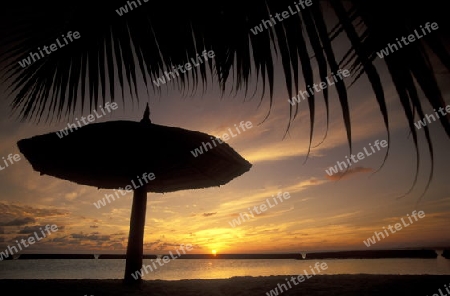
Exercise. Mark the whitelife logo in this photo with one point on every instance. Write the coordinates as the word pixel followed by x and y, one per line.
pixel 321 86
pixel 333 170
pixel 371 240
pixel 208 146
pixel 90 118
pixel 12 159
pixel 440 291
pixel 297 280
pixel 281 16
pixel 262 207
pixel 13 249
pixel 33 57
pixel 132 5
pixel 128 189
pixel 411 38
pixel 443 111
pixel 145 268
pixel 184 68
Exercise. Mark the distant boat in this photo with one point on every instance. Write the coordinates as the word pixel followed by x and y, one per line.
pixel 303 256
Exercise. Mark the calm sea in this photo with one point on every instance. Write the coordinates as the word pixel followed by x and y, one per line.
pixel 214 268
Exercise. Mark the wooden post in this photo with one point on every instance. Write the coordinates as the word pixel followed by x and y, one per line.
pixel 136 236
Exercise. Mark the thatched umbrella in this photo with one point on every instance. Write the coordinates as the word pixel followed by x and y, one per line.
pixel 114 154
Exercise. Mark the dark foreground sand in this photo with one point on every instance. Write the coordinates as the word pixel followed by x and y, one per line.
pixel 357 285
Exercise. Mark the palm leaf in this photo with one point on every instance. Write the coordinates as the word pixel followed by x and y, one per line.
pixel 121 51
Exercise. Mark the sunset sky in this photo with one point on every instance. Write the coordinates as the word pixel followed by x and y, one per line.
pixel 323 213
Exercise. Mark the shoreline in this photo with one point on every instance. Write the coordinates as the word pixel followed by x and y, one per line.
pixel 343 285
pixel 425 253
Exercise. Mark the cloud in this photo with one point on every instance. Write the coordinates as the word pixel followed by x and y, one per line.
pixel 165 246
pixel 209 214
pixel 60 239
pixel 305 184
pixel 38 228
pixel 348 173
pixel 99 237
pixel 71 196
pixel 148 245
pixel 78 235
pixel 30 229
pixel 118 234
pixel 19 221
pixel 19 238
pixel 23 213
pixel 93 237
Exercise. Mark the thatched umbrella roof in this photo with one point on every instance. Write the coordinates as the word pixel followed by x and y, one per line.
pixel 113 154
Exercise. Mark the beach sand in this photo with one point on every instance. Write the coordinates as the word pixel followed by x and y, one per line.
pixel 343 285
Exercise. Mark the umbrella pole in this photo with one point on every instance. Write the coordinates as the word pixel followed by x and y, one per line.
pixel 136 237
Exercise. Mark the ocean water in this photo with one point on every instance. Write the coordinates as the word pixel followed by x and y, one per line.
pixel 214 268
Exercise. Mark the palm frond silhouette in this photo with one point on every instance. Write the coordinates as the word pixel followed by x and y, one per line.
pixel 114 51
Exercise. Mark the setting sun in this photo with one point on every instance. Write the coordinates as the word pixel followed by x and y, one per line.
pixel 214 252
